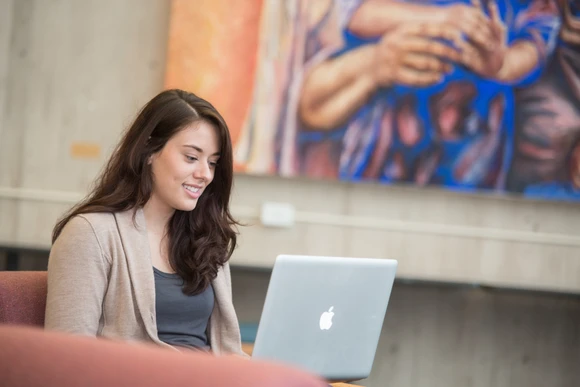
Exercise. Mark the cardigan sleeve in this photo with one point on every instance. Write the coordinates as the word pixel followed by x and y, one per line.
pixel 78 273
pixel 224 328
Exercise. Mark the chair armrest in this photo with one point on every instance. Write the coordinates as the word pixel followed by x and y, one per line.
pixel 34 357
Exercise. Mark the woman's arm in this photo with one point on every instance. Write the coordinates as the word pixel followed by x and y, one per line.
pixel 77 280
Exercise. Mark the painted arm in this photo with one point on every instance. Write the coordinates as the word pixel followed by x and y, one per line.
pixel 570 32
pixel 376 17
pixel 520 59
pixel 335 89
pixel 511 62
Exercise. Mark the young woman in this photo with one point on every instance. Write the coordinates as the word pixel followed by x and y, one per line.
pixel 145 256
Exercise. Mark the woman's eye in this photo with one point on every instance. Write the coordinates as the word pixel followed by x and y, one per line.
pixel 191 158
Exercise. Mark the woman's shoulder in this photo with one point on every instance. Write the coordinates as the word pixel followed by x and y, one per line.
pixel 84 231
pixel 105 225
pixel 102 225
pixel 98 221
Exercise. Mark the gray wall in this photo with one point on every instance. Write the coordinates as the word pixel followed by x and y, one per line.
pixel 74 73
pixel 457 336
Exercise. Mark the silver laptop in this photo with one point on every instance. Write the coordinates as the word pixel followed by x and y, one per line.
pixel 325 314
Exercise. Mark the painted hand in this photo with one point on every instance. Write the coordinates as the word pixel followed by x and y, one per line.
pixel 411 55
pixel 469 19
pixel 487 59
pixel 575 167
pixel 570 32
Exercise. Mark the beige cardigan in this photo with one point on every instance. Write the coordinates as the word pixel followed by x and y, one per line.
pixel 100 283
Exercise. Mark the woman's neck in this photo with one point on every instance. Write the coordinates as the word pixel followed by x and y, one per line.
pixel 157 215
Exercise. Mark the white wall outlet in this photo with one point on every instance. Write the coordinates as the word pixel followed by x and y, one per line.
pixel 275 214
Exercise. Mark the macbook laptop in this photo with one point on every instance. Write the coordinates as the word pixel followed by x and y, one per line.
pixel 325 314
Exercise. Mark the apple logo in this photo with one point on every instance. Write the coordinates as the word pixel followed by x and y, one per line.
pixel 326 319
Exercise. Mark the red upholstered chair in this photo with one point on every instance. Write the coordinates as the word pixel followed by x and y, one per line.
pixel 22 297
pixel 30 357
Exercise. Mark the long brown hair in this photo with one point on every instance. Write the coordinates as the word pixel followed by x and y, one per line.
pixel 200 241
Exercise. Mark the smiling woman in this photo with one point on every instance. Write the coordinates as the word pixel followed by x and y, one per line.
pixel 182 169
pixel 145 255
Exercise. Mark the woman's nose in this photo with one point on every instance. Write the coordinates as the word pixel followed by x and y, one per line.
pixel 202 172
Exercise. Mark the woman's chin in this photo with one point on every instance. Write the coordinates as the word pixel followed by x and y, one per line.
pixel 186 206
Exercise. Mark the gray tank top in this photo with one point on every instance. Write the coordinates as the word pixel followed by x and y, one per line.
pixel 181 320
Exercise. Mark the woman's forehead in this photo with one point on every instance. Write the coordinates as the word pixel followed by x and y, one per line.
pixel 201 135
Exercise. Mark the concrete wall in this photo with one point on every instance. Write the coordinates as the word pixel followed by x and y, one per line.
pixel 73 74
pixel 456 336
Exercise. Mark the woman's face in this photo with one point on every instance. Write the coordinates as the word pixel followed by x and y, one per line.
pixel 185 166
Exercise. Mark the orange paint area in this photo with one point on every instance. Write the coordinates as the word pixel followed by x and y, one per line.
pixel 212 52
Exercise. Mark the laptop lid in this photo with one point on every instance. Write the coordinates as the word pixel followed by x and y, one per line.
pixel 325 314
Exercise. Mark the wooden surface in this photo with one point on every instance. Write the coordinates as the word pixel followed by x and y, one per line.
pixel 248 347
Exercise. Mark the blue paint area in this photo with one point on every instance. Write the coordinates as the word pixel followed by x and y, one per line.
pixel 479 154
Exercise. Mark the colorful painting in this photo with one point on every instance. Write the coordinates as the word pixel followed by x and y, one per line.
pixel 469 95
